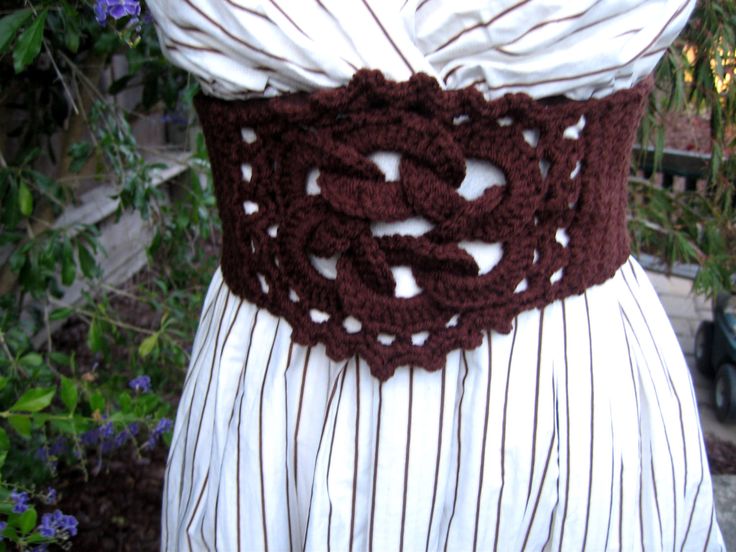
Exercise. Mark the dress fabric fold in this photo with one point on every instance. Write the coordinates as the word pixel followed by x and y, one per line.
pixel 577 430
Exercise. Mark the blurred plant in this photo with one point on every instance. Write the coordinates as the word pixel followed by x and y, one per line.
pixel 695 76
pixel 60 129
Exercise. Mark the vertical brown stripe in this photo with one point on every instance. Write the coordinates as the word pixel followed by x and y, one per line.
pixel 666 372
pixel 613 467
pixel 567 422
pixel 286 444
pixel 621 507
pixel 375 466
pixel 202 348
pixel 232 412
pixel 319 447
pixel 656 494
pixel 207 476
pixel 194 512
pixel 193 455
pixel 329 456
pixel 407 453
pixel 638 418
pixel 440 426
pixel 299 419
pixel 539 494
pixel 355 449
pixel 661 416
pixel 503 437
pixel 633 272
pixel 695 502
pixel 459 450
pixel 592 421
pixel 536 409
pixel 192 367
pixel 710 531
pixel 483 443
pixel 260 438
pixel 238 495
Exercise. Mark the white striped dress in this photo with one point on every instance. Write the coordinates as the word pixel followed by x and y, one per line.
pixel 576 431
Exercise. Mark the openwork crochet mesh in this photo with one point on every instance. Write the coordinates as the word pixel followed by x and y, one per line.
pixel 557 213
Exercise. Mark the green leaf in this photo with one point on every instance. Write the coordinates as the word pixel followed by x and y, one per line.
pixel 27 521
pixel 4 440
pixel 126 402
pixel 148 345
pixel 10 24
pixel 70 19
pixel 61 314
pixel 21 424
pixel 79 153
pixel 25 200
pixel 31 360
pixel 60 358
pixel 69 395
pixel 68 266
pixel 97 401
pixel 94 336
pixel 3 456
pixel 87 261
pixel 3 382
pixel 29 43
pixel 34 400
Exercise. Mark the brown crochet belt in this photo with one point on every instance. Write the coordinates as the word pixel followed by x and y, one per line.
pixel 564 165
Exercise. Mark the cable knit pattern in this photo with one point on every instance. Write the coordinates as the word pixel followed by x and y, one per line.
pixel 569 176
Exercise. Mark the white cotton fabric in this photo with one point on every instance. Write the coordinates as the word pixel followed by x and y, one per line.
pixel 579 48
pixel 578 430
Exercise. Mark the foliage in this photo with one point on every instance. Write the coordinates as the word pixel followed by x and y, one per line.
pixel 697 76
pixel 64 410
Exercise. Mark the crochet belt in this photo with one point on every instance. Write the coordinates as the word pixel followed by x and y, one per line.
pixel 297 189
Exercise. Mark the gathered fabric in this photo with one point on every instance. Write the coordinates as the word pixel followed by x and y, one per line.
pixel 556 200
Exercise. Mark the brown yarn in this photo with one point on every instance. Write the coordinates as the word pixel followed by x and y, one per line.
pixel 271 225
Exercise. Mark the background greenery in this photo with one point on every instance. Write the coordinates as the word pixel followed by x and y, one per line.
pixel 68 410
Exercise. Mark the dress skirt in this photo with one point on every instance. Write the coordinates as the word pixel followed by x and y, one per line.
pixel 576 431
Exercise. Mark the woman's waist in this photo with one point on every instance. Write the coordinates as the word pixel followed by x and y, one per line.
pixel 395 220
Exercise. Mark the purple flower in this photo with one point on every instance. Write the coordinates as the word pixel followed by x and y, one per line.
pixel 20 501
pixel 91 437
pixel 120 439
pixel 47 527
pixel 58 524
pixel 163 425
pixel 3 525
pixel 51 496
pixel 117 9
pixel 140 384
pixel 134 428
pixel 59 447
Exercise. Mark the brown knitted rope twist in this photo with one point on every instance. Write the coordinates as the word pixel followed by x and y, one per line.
pixel 264 153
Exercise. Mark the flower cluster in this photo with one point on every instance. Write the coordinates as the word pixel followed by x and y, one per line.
pixel 117 9
pixel 20 501
pixel 3 525
pixel 140 384
pixel 58 524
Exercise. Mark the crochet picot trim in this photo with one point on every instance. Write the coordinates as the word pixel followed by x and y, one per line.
pixel 564 163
